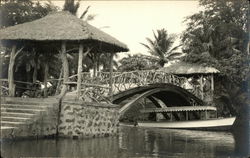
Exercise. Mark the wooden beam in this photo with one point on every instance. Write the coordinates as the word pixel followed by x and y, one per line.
pixel 79 70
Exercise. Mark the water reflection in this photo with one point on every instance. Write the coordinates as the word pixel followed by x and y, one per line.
pixel 131 142
pixel 177 143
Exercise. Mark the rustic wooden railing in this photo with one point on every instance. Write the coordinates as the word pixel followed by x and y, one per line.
pixel 98 89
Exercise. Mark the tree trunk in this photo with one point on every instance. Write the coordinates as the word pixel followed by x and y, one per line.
pixel 65 69
pixel 46 71
pixel 11 72
pixel 79 71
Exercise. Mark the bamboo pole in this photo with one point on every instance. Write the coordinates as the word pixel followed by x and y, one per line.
pixel 79 70
pixel 111 75
pixel 11 72
pixel 65 68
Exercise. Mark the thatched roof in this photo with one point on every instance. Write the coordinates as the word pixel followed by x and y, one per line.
pixel 60 26
pixel 187 68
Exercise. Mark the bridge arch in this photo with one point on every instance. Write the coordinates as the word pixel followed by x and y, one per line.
pixel 119 97
pixel 169 94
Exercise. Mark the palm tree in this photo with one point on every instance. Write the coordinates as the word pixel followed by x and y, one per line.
pixel 161 46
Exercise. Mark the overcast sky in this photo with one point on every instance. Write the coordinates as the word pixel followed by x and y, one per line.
pixel 132 21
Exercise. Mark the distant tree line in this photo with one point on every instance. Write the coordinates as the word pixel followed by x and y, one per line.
pixel 217 36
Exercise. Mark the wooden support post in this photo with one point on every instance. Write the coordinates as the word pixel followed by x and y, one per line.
pixel 79 70
pixel 206 114
pixel 1 64
pixel 111 75
pixel 65 69
pixel 186 115
pixel 171 116
pixel 201 87
pixel 95 67
pixel 11 72
pixel 46 71
pixel 59 82
pixel 212 82
pixel 212 86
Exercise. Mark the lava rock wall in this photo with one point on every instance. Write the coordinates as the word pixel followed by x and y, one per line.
pixel 85 119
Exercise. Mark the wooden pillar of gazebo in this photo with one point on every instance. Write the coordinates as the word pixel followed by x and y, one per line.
pixel 111 76
pixel 212 86
pixel 201 87
pixel 65 68
pixel 46 71
pixel 11 72
pixel 13 56
pixel 79 71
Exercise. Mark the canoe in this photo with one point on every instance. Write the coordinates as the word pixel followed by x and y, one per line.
pixel 211 124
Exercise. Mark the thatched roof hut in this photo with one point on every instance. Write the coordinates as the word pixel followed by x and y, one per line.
pixel 64 29
pixel 62 26
pixel 183 68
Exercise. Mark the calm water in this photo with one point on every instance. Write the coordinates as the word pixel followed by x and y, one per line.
pixel 136 142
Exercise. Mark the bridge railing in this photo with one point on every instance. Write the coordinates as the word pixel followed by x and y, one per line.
pixel 98 88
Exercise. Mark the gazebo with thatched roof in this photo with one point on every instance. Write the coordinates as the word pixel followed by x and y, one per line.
pixel 59 29
pixel 202 75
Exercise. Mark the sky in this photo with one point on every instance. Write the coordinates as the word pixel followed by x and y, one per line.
pixel 132 21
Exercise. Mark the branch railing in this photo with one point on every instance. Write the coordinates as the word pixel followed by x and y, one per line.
pixel 97 88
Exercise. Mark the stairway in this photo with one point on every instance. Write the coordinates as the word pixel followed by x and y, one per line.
pixel 18 112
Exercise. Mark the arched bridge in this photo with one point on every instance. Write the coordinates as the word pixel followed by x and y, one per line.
pixel 166 94
pixel 103 86
pixel 155 88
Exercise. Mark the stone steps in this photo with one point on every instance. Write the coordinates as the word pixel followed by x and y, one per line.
pixel 24 106
pixel 30 101
pixel 6 127
pixel 11 124
pixel 16 119
pixel 17 112
pixel 22 110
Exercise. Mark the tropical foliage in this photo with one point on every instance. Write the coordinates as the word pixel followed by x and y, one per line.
pixel 218 36
pixel 138 62
pixel 14 12
pixel 161 46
